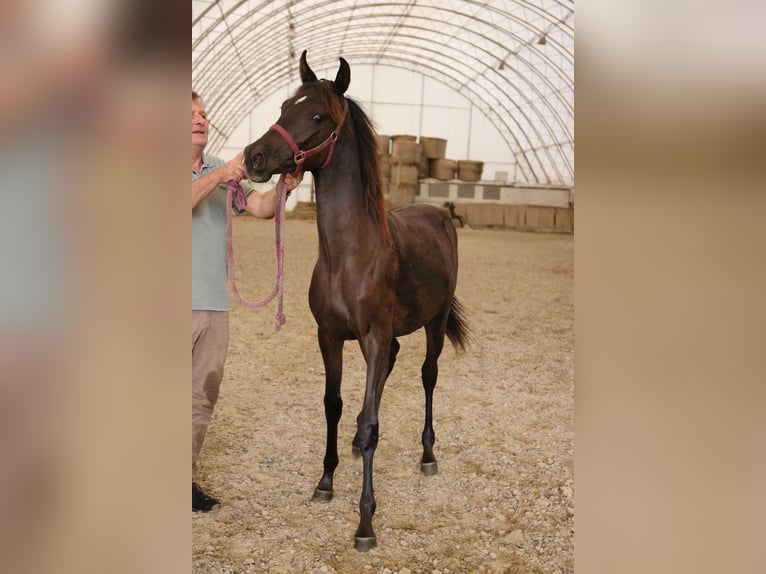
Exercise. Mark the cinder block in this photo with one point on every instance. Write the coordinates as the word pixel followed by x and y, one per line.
pixel 547 218
pixel 485 214
pixel 401 194
pixel 538 218
pixel 564 219
pixel 512 215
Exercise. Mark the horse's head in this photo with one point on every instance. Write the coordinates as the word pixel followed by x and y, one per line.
pixel 303 138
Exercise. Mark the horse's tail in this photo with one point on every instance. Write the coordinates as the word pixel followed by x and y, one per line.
pixel 457 328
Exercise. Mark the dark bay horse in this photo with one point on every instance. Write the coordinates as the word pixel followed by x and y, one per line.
pixel 380 274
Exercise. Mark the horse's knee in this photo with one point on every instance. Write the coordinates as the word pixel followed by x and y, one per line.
pixel 333 406
pixel 366 436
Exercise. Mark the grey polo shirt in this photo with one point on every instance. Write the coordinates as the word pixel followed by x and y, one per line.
pixel 209 266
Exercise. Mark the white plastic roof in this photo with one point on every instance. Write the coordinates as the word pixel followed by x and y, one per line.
pixel 513 59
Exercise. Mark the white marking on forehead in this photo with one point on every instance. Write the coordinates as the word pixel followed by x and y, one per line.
pixel 299 100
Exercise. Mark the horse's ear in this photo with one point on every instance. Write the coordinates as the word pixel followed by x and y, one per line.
pixel 307 75
pixel 343 78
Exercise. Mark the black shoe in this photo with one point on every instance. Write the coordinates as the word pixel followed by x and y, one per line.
pixel 201 502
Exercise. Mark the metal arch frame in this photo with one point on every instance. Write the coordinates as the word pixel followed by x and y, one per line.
pixel 490 55
pixel 439 9
pixel 522 152
pixel 547 59
pixel 234 93
pixel 228 29
pixel 568 5
pixel 455 79
pixel 533 147
pixel 491 114
pixel 341 13
pixel 413 62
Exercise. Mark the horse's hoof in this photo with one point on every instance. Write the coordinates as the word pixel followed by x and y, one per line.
pixel 365 544
pixel 429 468
pixel 323 495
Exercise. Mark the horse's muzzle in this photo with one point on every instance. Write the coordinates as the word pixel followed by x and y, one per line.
pixel 255 164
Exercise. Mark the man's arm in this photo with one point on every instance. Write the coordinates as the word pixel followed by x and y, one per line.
pixel 204 186
pixel 263 205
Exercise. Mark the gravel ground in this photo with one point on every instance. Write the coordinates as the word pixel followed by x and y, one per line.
pixel 503 417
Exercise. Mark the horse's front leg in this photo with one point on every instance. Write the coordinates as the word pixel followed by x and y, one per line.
pixel 377 353
pixel 332 355
pixel 394 349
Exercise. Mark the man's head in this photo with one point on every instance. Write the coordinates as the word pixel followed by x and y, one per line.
pixel 199 122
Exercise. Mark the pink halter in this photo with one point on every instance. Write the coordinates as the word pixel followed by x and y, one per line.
pixel 300 156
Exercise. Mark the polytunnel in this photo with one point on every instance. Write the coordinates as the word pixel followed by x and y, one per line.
pixel 513 60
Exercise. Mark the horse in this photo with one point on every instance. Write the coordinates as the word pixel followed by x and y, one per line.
pixel 451 206
pixel 380 273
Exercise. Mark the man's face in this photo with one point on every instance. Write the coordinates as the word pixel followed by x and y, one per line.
pixel 199 124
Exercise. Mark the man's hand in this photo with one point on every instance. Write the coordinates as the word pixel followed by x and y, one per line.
pixel 203 186
pixel 291 180
pixel 234 169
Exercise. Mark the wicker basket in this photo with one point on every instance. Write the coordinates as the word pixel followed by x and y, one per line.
pixel 433 148
pixel 404 174
pixel 469 170
pixel 401 194
pixel 384 145
pixel 424 168
pixel 405 151
pixel 443 169
pixel 385 165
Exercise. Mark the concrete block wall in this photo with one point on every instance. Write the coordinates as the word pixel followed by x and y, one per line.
pixel 482 204
pixel 521 217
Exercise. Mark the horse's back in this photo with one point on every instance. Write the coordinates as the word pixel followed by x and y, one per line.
pixel 412 211
pixel 422 221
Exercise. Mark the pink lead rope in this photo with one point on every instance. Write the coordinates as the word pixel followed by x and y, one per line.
pixel 234 193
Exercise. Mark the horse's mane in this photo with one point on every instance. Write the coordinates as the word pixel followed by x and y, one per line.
pixel 369 163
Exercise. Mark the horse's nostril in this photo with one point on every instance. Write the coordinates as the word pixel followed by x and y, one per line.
pixel 258 159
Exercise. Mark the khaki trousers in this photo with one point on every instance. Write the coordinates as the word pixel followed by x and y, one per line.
pixel 210 342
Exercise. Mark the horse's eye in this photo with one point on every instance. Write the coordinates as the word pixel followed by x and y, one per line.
pixel 317 117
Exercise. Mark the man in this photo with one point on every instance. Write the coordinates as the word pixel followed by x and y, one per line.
pixel 210 295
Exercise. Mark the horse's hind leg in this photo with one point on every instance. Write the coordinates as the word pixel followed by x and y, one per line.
pixel 430 371
pixel 332 355
pixel 392 357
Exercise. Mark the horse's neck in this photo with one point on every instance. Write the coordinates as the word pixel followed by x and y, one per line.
pixel 342 217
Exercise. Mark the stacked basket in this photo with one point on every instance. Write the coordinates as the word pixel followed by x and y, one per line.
pixel 405 162
pixel 468 170
pixel 384 159
pixel 434 149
